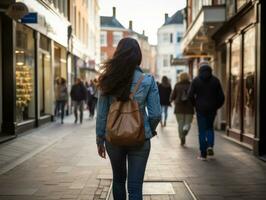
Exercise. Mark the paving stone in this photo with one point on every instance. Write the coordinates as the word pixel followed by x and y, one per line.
pixel 69 168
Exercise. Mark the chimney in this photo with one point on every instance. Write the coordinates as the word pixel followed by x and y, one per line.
pixel 114 12
pixel 165 17
pixel 143 32
pixel 130 26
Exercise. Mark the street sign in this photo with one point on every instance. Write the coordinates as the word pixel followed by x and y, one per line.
pixel 31 18
pixel 17 10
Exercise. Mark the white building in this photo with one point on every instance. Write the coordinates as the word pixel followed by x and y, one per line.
pixel 94 31
pixel 169 37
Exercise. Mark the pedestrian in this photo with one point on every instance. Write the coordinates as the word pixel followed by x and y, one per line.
pixel 94 97
pixel 61 96
pixel 207 96
pixel 122 80
pixel 183 106
pixel 90 98
pixel 78 96
pixel 165 91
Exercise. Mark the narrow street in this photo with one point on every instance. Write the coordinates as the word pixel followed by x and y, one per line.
pixel 60 162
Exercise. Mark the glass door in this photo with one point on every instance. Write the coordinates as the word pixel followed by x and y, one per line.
pixel 45 84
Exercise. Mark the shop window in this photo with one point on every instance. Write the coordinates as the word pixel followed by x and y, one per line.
pixel 103 38
pixel 235 84
pixel 25 104
pixel 249 82
pixel 45 77
pixel 117 36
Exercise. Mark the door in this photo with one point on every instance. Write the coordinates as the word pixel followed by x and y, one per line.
pixel 45 86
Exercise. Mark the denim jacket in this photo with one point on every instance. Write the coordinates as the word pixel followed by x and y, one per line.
pixel 148 98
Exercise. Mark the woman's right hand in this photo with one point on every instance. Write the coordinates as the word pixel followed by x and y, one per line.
pixel 101 151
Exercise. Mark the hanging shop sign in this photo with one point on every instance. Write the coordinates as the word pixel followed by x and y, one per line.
pixel 31 18
pixel 17 10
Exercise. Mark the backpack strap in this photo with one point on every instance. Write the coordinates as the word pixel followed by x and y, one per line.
pixel 136 87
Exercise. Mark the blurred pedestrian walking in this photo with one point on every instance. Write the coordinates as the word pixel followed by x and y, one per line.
pixel 183 106
pixel 165 91
pixel 79 96
pixel 207 96
pixel 91 100
pixel 123 83
pixel 61 96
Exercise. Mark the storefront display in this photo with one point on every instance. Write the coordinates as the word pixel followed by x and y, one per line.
pixel 25 104
pixel 249 81
pixel 235 84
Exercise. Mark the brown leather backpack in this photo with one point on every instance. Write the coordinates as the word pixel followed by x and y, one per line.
pixel 125 124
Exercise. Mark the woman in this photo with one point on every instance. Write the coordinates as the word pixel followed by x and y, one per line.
pixel 61 96
pixel 183 106
pixel 165 91
pixel 120 75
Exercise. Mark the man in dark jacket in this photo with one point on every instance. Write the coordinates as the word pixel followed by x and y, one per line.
pixel 78 95
pixel 207 96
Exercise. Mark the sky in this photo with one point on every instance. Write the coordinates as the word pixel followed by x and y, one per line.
pixel 146 15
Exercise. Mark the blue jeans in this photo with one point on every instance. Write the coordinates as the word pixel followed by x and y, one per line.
pixel 60 106
pixel 164 112
pixel 206 131
pixel 137 159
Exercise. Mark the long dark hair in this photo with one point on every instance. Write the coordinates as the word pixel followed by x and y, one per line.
pixel 117 72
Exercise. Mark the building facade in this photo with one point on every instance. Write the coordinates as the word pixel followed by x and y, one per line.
pixel 145 47
pixel 35 55
pixel 84 41
pixel 112 31
pixel 230 35
pixel 169 39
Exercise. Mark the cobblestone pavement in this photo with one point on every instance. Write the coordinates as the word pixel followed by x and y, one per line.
pixel 61 162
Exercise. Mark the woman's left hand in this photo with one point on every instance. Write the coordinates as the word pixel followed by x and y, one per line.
pixel 101 151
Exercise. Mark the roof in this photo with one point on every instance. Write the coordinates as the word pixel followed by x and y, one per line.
pixel 111 22
pixel 177 18
pixel 138 34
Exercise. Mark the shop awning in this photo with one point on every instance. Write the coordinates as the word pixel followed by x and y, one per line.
pixel 197 40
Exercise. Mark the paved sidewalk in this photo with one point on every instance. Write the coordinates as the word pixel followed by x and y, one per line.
pixel 61 162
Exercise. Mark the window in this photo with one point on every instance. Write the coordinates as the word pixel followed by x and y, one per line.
pixel 84 30
pixel 249 81
pixel 171 58
pixel 171 37
pixel 103 38
pixel 117 36
pixel 103 56
pixel 79 26
pixel 165 60
pixel 179 37
pixel 75 20
pixel 165 38
pixel 25 62
pixel 230 7
pixel 45 77
pixel 240 3
pixel 235 84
